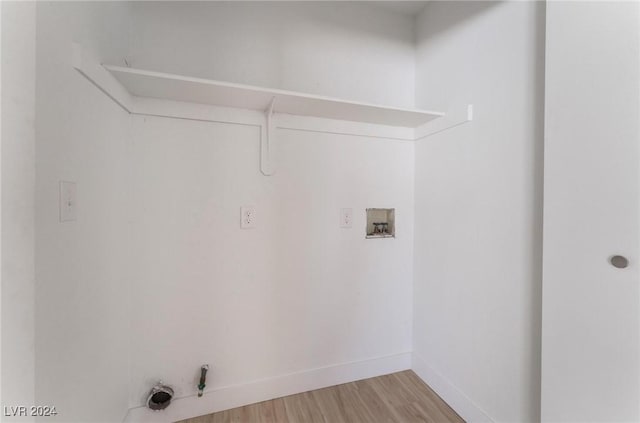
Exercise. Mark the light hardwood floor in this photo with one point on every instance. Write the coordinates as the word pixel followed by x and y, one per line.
pixel 395 398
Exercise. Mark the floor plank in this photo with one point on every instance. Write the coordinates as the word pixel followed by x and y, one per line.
pixel 396 398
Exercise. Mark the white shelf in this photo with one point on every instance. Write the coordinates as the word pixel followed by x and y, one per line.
pixel 143 83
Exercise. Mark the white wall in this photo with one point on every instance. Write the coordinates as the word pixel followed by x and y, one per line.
pixel 344 49
pixel 82 274
pixel 478 208
pixel 151 281
pixel 18 180
pixel 298 292
pixel 159 204
pixel 591 319
pixel 294 294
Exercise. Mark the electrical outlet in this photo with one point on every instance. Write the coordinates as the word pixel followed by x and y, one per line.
pixel 67 201
pixel 247 217
pixel 346 218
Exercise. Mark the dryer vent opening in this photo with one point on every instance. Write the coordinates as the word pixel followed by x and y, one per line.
pixel 160 397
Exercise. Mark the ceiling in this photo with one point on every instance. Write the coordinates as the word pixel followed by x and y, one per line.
pixel 404 7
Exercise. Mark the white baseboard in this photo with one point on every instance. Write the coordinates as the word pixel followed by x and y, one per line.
pixel 275 387
pixel 451 394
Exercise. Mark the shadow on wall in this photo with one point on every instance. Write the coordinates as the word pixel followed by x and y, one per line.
pixel 492 55
pixel 458 14
pixel 256 35
pixel 454 20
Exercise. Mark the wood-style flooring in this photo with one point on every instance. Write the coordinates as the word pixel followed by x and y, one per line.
pixel 395 398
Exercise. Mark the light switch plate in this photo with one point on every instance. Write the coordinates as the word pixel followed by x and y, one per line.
pixel 247 217
pixel 67 201
pixel 346 218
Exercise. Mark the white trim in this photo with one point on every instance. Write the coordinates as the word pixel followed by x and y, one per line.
pixel 227 397
pixel 145 106
pixel 450 393
pixel 342 127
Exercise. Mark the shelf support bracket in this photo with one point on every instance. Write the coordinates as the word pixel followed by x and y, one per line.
pixel 267 149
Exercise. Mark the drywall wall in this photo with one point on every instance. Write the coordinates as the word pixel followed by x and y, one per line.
pixel 18 181
pixel 82 278
pixel 478 208
pixel 345 49
pixel 155 276
pixel 591 310
pixel 296 293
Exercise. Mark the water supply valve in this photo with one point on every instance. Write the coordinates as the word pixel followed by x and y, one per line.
pixel 203 379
